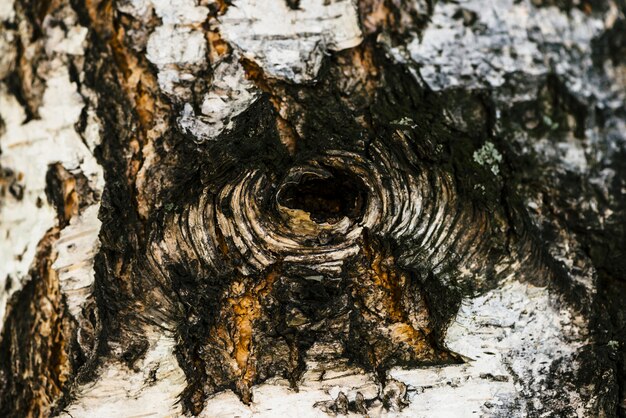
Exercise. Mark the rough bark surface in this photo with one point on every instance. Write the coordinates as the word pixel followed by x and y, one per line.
pixel 324 207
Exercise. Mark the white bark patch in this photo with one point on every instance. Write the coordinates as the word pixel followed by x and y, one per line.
pixel 76 247
pixel 179 50
pixel 511 337
pixel 231 93
pixel 288 43
pixel 6 10
pixel 178 47
pixel 28 149
pixel 150 390
pixel 180 12
pixel 502 41
pixel 71 43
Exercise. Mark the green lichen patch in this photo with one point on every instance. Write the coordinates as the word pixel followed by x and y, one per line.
pixel 489 156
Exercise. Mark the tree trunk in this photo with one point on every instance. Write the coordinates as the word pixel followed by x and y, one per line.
pixel 312 208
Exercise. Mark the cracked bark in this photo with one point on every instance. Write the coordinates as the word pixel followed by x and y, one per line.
pixel 334 208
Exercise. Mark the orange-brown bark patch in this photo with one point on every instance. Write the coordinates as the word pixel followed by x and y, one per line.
pixel 235 333
pixel 34 344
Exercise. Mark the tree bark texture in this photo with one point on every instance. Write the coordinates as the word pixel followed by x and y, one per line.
pixel 312 208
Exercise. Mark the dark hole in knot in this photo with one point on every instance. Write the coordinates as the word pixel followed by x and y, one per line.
pixel 326 199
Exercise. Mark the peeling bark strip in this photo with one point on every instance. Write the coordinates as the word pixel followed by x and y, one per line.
pixel 312 208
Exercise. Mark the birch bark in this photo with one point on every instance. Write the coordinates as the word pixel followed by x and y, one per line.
pixel 312 208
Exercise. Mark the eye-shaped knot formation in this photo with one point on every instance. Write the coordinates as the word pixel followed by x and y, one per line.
pixel 312 218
